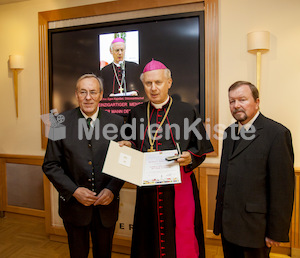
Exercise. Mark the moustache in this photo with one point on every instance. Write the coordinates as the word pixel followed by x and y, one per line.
pixel 238 110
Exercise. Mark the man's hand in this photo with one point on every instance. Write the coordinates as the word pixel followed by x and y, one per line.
pixel 270 242
pixel 185 159
pixel 125 143
pixel 105 197
pixel 85 196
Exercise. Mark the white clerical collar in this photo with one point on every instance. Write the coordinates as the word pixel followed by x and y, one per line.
pixel 160 105
pixel 119 64
pixel 94 116
pixel 249 124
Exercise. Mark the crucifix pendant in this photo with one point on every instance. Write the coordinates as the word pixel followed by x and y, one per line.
pixel 151 149
pixel 121 89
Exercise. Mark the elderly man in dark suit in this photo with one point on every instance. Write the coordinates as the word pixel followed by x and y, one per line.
pixel 256 181
pixel 89 199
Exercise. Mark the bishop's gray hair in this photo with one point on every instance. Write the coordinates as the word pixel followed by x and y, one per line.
pixel 111 46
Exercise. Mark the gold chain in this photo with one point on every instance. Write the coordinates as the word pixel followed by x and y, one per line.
pixel 164 118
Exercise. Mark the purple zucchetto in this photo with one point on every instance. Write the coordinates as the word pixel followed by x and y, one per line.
pixel 154 65
pixel 117 40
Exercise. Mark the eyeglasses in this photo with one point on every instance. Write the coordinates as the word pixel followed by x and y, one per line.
pixel 83 94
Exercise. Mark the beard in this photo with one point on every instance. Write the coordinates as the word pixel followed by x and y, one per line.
pixel 239 115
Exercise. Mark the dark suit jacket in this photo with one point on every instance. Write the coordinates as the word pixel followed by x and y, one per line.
pixel 256 186
pixel 132 78
pixel 70 162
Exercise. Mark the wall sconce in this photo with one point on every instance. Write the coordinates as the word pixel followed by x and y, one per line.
pixel 258 42
pixel 16 63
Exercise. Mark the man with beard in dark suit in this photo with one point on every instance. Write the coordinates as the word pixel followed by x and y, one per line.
pixel 88 199
pixel 256 181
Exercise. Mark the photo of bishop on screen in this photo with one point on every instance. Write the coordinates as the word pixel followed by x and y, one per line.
pixel 176 40
pixel 119 64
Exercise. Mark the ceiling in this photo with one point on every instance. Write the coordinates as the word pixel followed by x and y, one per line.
pixel 10 1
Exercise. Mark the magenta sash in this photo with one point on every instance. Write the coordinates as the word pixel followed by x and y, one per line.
pixel 186 241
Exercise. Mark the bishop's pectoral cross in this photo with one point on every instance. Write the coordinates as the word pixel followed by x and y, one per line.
pixel 121 89
pixel 151 149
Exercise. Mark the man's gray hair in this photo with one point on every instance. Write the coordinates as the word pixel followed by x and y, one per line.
pixel 90 75
pixel 111 46
pixel 167 74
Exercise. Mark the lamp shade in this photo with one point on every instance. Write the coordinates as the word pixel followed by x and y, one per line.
pixel 16 62
pixel 259 40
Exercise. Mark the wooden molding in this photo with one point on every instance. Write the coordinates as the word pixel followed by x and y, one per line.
pixel 212 69
pixel 110 7
pixel 44 73
pixel 15 157
pixel 2 185
pixel 25 211
pixel 47 204
pixel 210 165
pixel 294 232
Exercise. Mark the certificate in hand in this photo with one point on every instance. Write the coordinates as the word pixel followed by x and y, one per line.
pixel 141 168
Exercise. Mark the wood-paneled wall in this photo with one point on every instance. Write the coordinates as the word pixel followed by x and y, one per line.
pixel 4 204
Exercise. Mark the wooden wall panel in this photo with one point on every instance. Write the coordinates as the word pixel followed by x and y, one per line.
pixel 7 203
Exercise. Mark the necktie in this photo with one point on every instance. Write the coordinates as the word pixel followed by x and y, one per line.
pixel 89 121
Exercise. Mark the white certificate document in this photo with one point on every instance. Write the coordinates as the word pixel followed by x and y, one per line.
pixel 141 168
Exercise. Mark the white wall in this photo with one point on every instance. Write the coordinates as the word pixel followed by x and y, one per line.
pixel 280 68
pixel 280 82
pixel 19 35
